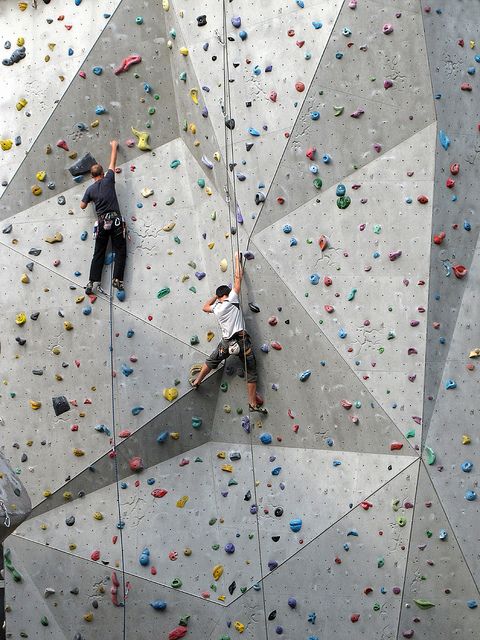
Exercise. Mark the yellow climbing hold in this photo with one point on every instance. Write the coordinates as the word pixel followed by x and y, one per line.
pixel 194 95
pixel 41 175
pixel 95 123
pixel 53 239
pixel 67 325
pixel 216 156
pixel 48 149
pixel 181 502
pixel 25 279
pixel 56 351
pixel 43 526
pixel 88 617
pixel 170 393
pixel 98 516
pixel 51 46
pixel 466 439
pixel 21 104
pixel 174 435
pixel 47 493
pixel 196 143
pixel 239 626
pixel 78 452
pixel 35 404
pixel 474 353
pixel 228 468
pixel 169 226
pixel 145 192
pixel 221 598
pixel 193 128
pixel 20 318
pixel 67 495
pixel 223 265
pixel 222 455
pixel 20 41
pixel 79 299
pixel 210 336
pixel 166 5
pixel 211 245
pixel 36 190
pixel 6 144
pixel 72 546
pixel 217 571
pixel 58 377
pixel 142 139
pixel 22 6
pixel 184 51
pixel 208 191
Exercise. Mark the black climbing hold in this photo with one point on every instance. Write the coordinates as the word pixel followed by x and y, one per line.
pixel 21 341
pixel 34 252
pixel 75 591
pixel 275 538
pixel 389 467
pixel 201 21
pixel 29 266
pixel 259 197
pixel 278 512
pixel 7 229
pixel 272 615
pixel 61 200
pixel 37 372
pixel 230 124
pixel 236 65
pixel 248 145
pixel 83 165
pixel 254 307
pixel 81 494
pixel 287 321
pixel 70 521
pixel 34 315
pixel 24 457
pixel 248 496
pixel 77 636
pixel 214 58
pixel 64 365
pixel 248 104
pixel 232 588
pixel 95 604
pixel 15 445
pixel 60 405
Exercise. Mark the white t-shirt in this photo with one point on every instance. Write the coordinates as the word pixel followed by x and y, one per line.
pixel 229 315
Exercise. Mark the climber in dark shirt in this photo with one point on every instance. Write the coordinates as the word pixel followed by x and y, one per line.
pixel 110 223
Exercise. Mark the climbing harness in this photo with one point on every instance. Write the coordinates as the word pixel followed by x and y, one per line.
pixel 6 516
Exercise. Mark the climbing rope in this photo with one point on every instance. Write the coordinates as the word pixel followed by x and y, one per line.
pixel 228 136
pixel 115 463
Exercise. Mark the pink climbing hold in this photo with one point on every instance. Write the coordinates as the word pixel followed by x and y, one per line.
pixel 310 152
pixel 387 84
pixel 95 555
pixel 273 96
pixel 127 63
pixel 177 633
pixel 125 433
pixel 300 87
pixel 387 29
pixel 63 145
pixel 82 74
pixel 357 113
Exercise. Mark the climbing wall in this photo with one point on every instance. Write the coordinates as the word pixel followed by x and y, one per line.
pixel 334 142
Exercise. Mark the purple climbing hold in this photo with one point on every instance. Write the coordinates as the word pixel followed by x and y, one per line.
pixel 237 22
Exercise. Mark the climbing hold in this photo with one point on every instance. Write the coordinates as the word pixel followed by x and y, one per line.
pixel 170 394
pixel 142 139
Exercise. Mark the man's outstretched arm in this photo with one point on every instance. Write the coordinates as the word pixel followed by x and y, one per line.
pixel 207 307
pixel 237 279
pixel 113 155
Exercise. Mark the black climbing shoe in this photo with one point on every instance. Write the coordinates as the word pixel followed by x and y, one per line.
pixel 258 408
pixel 117 284
pixel 89 288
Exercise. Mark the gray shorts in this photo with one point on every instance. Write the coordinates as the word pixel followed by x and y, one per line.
pixel 246 355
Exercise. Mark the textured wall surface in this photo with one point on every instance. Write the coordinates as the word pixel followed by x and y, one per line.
pixel 348 171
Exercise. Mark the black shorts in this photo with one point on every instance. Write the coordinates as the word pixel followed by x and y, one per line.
pixel 246 355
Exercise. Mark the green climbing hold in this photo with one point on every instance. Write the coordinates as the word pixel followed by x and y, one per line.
pixel 410 434
pixel 156 97
pixel 176 583
pixel 151 111
pixel 201 183
pixel 44 621
pixel 428 533
pixel 380 562
pixel 198 459
pixel 431 456
pixel 196 422
pixel 351 295
pixel 424 604
pixel 224 387
pixel 381 350
pixel 239 411
pixel 194 340
pixel 170 201
pixel 212 521
pixel 376 606
pixel 192 289
pixel 215 546
pixel 163 292
pixel 395 504
pixel 377 228
pixel 401 521
pixel 343 202
pixel 317 183
pixel 225 638
pixel 177 239
pixel 183 622
pixel 174 164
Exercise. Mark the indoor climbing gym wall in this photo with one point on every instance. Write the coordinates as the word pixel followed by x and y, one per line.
pixel 335 144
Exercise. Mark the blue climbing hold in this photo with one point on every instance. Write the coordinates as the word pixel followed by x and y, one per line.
pixel 296 524
pixel 229 548
pixel 317 24
pixel 100 110
pixel 130 333
pixel 243 35
pixel 472 604
pixel 266 438
pixel 253 132
pixel 126 370
pixel 144 558
pixel 97 71
pixel 326 158
pixel 121 295
pixel 137 410
pixel 305 375
pixel 329 442
pixel 159 605
pixel 162 437
pixel 467 466
pixel 342 334
pixel 314 278
pixel 287 228
pixel 293 242
pixel 341 190
pixel 450 384
pixel 470 495
pixel 276 471
pixel 467 226
pixel 315 115
pixel 444 139
pixel 336 463
pixel 84 235
pixel 443 535
pixel 87 310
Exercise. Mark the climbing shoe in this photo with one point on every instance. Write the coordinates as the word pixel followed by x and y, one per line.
pixel 258 408
pixel 117 284
pixel 89 288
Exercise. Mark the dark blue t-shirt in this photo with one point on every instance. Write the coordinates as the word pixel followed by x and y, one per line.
pixel 102 194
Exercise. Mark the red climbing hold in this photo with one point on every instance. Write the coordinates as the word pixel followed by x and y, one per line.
pixel 136 464
pixel 422 199
pixel 159 493
pixel 466 86
pixel 459 271
pixel 125 433
pixel 366 505
pixel 450 183
pixel 276 345
pixel 310 153
pixel 273 96
pixel 127 63
pixel 396 446
pixel 300 87
pixel 438 239
pixel 328 308
pixel 176 633
pixel 323 242
pixel 355 617
pixel 327 281
pixel 63 145
pixel 454 168
pixel 95 555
